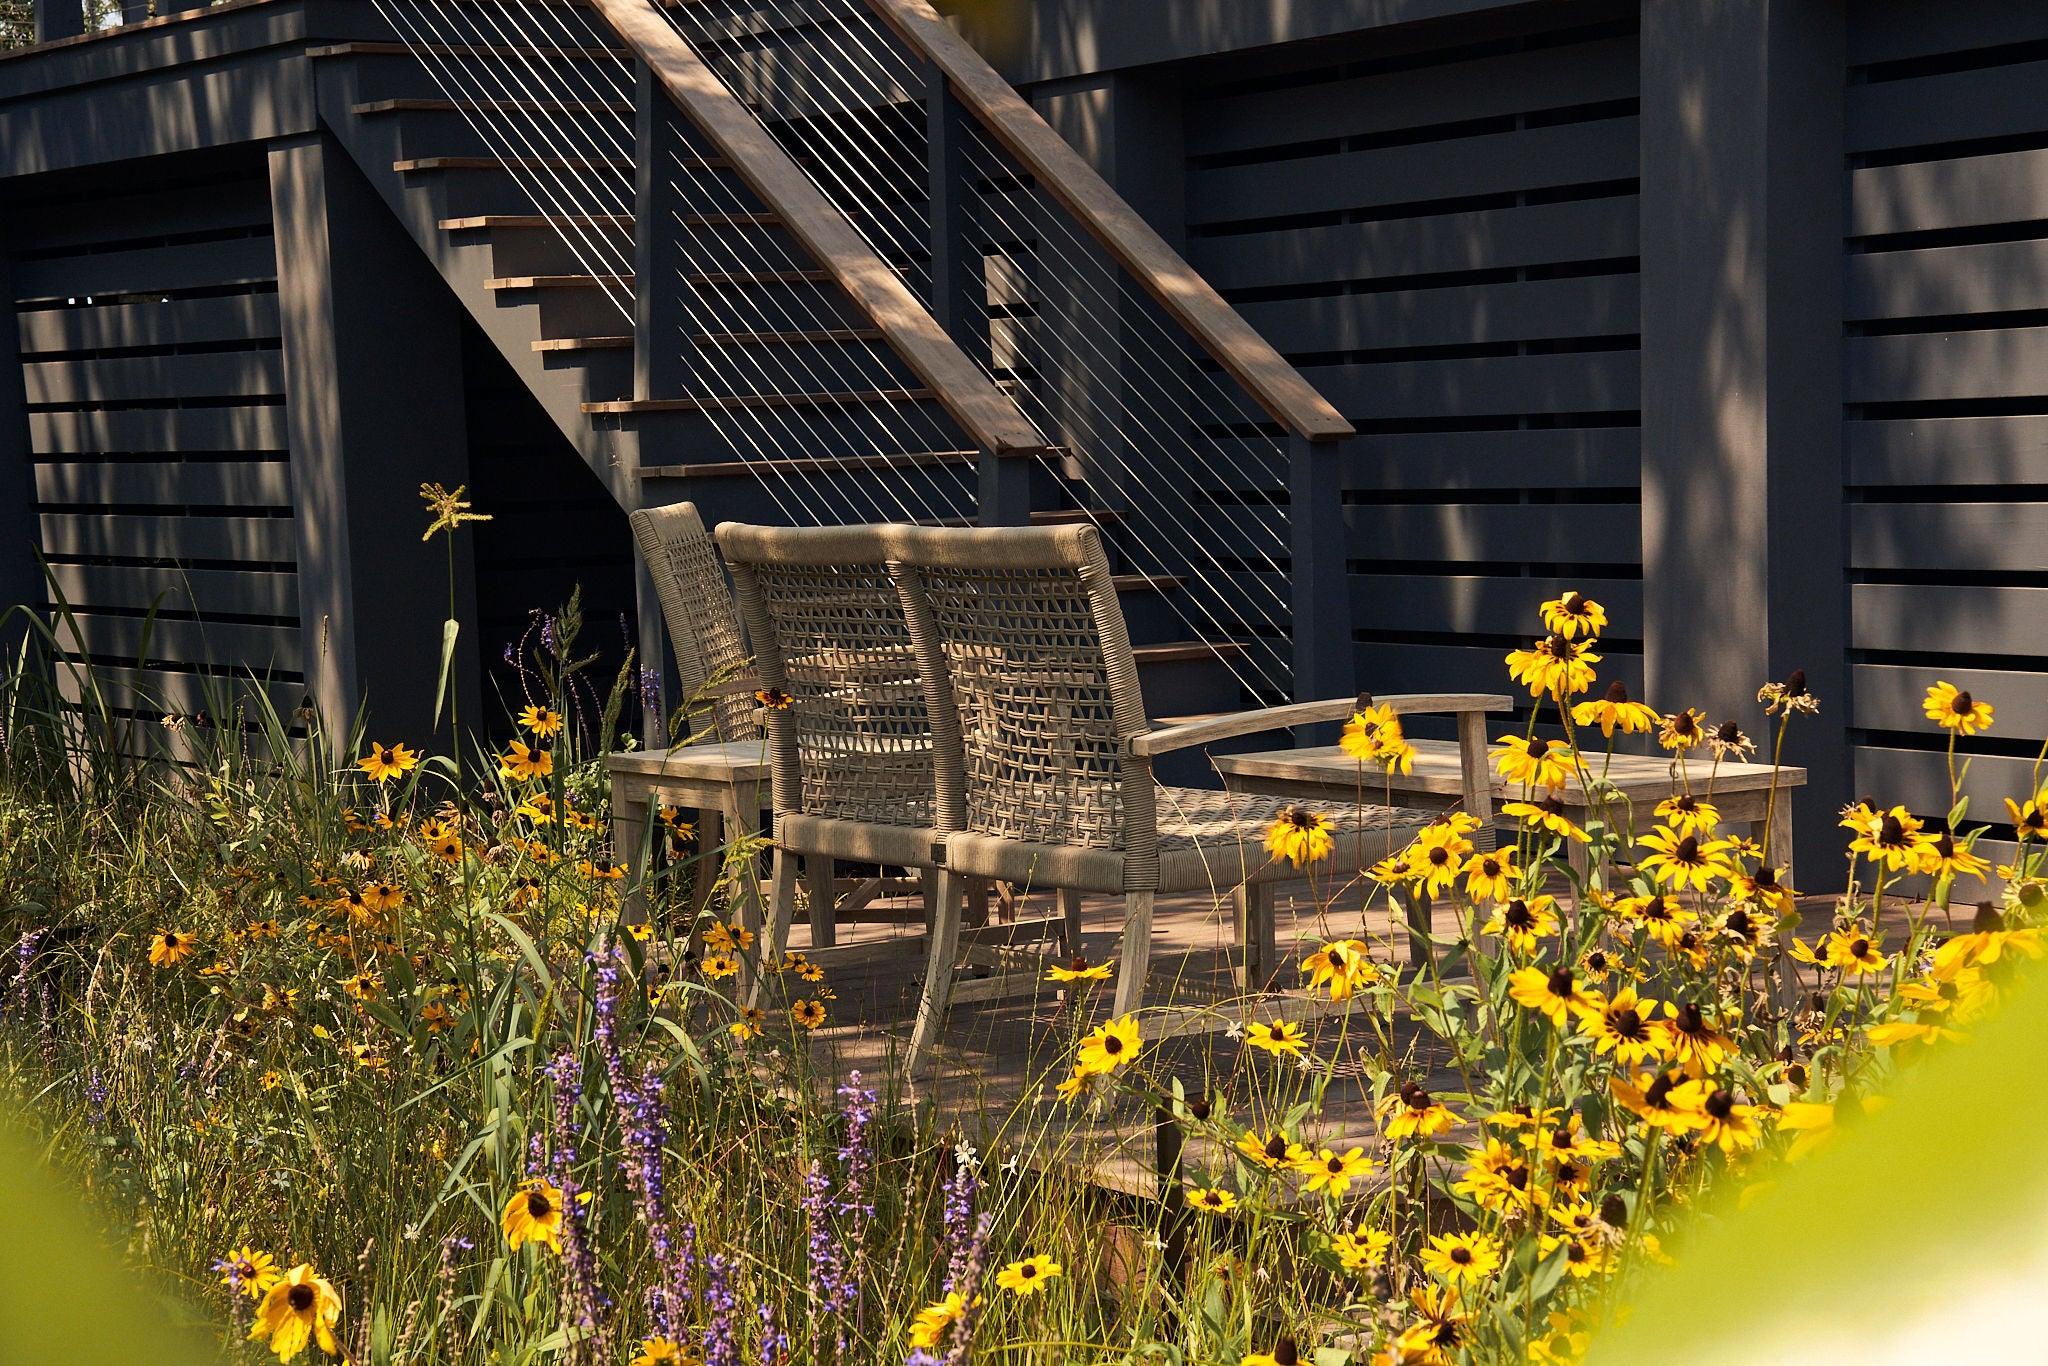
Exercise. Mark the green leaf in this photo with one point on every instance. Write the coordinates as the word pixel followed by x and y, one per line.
pixel 449 630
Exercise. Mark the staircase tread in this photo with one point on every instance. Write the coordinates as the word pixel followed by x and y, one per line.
pixel 555 281
pixel 584 344
pixel 1042 517
pixel 385 49
pixel 1180 651
pixel 820 335
pixel 423 105
pixel 491 221
pixel 730 401
pixel 1140 583
pixel 757 277
pixel 485 163
pixel 721 469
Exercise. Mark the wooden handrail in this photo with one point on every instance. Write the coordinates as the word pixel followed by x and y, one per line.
pixel 1115 225
pixel 989 417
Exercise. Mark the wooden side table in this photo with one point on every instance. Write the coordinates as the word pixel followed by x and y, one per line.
pixel 1326 774
pixel 725 784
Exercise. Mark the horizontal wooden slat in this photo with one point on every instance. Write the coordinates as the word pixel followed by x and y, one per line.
pixel 267 539
pixel 209 374
pixel 1981 277
pixel 1987 363
pixel 121 640
pixel 1558 457
pixel 1934 620
pixel 1952 106
pixel 1527 159
pixel 1601 381
pixel 235 261
pixel 178 322
pixel 1918 780
pixel 1948 450
pixel 238 483
pixel 160 211
pixel 1958 536
pixel 208 592
pixel 2000 187
pixel 1525 310
pixel 1384 668
pixel 1513 83
pixel 1895 30
pixel 154 693
pixel 1888 696
pixel 1598 534
pixel 253 428
pixel 1477 605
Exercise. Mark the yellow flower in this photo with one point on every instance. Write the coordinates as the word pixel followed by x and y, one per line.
pixel 1281 1036
pixel 748 1025
pixel 1682 730
pixel 534 1215
pixel 1342 966
pixel 1029 1276
pixel 1212 1199
pixel 1944 858
pixel 809 1014
pixel 1574 615
pixel 1491 875
pixel 541 721
pixel 1583 1256
pixel 1855 951
pixel 1554 991
pixel 2029 818
pixel 1681 861
pixel 450 510
pixel 1548 815
pixel 522 764
pixel 1688 815
pixel 1078 1084
pixel 1649 1099
pixel 1375 736
pixel 442 839
pixel 1693 1039
pixel 1360 1250
pixel 1952 708
pixel 270 1080
pixel 1437 857
pixel 1662 916
pixel 936 1319
pixel 1614 712
pixel 1533 763
pixel 1724 1121
pixel 774 699
pixel 249 1271
pixel 1460 1257
pixel 1814 1122
pixel 1623 1026
pixel 663 1352
pixel 301 1307
pixel 1299 835
pixel 1273 1151
pixel 1524 924
pixel 720 966
pixel 363 986
pixel 1080 970
pixel 1555 665
pixel 1893 838
pixel 1413 1111
pixel 171 946
pixel 1109 1046
pixel 1333 1172
pixel 385 764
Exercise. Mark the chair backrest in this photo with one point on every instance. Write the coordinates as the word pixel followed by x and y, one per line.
pixel 1038 665
pixel 703 627
pixel 855 741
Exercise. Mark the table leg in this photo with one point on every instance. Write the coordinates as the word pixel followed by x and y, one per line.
pixel 742 814
pixel 823 894
pixel 1579 859
pixel 710 839
pixel 1416 904
pixel 1785 988
pixel 1255 937
pixel 1070 912
pixel 629 841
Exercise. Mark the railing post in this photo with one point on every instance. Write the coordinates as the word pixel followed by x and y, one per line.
pixel 59 19
pixel 1325 662
pixel 659 139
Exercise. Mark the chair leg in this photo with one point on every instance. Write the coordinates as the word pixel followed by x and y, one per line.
pixel 1070 922
pixel 629 842
pixel 928 892
pixel 823 891
pixel 942 946
pixel 1255 938
pixel 771 939
pixel 1137 957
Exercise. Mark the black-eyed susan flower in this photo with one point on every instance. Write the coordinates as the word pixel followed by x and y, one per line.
pixel 1789 696
pixel 1079 969
pixel 1278 1037
pixel 1078 1083
pixel 1648 1098
pixel 1562 1341
pixel 1554 991
pixel 1332 1172
pixel 1613 712
pixel 533 1215
pixel 1855 951
pixel 542 721
pixel 1744 931
pixel 2029 818
pixel 774 699
pixel 1270 1150
pixel 1574 616
pixel 1460 1258
pixel 363 986
pixel 1299 835
pixel 1583 1255
pixel 1689 815
pixel 1497 1178
pixel 1693 1038
pixel 1341 967
pixel 1661 915
pixel 1524 922
pixel 1725 1121
pixel 810 972
pixel 1533 764
pixel 1813 1121
pixel 302 1307
pixel 1029 1276
pixel 1412 1112
pixel 271 1079
pixel 1945 858
pixel 442 838
pixel 247 1271
pixel 170 947
pixel 1437 856
pixel 1546 814
pixel 1953 708
pixel 385 764
pixel 1212 1200
pixel 1681 861
pixel 719 966
pixel 1110 1045
pixel 521 764
pixel 1491 874
pixel 748 1024
pixel 1682 730
pixel 1374 736
pixel 936 1319
pixel 1359 1250
pixel 1893 839
pixel 1729 743
pixel 660 1351
pixel 808 1013
pixel 1623 1026
pixel 1284 1353
pixel 1441 1326
pixel 1555 666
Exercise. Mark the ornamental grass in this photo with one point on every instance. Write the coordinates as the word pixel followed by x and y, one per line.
pixel 386 1061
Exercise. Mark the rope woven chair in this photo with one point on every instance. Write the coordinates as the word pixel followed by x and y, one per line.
pixel 1039 721
pixel 850 751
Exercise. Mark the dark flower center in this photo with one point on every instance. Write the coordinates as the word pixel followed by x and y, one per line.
pixel 1657 908
pixel 1858 947
pixel 1561 983
pixel 1575 1251
pixel 170 941
pixel 1112 1044
pixel 1627 1023
pixel 1286 1353
pixel 1303 820
pixel 1687 804
pixel 1690 1020
pixel 1462 1256
pixel 1439 855
pixel 1683 724
pixel 301 1297
pixel 1890 831
pixel 1721 1105
pixel 1616 693
pixel 1987 920
pixel 1276 1147
pixel 538 1206
pixel 1964 704
pixel 1658 1093
pixel 1738 924
pixel 1490 866
pixel 1597 960
pixel 1027 1271
pixel 1945 846
pixel 1729 733
pixel 1795 683
pixel 1414 1097
pixel 1688 850
pixel 1613 1211
pixel 1573 603
pixel 1518 916
pixel 1517 1177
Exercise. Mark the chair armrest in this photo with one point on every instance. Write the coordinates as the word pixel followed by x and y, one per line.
pixel 1170 738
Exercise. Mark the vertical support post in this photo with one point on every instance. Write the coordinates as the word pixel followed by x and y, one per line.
pixel 134 11
pixel 1325 662
pixel 659 140
pixel 373 405
pixel 21 578
pixel 1741 230
pixel 59 19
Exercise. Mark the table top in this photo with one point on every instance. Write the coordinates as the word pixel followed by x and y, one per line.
pixel 738 761
pixel 1437 772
